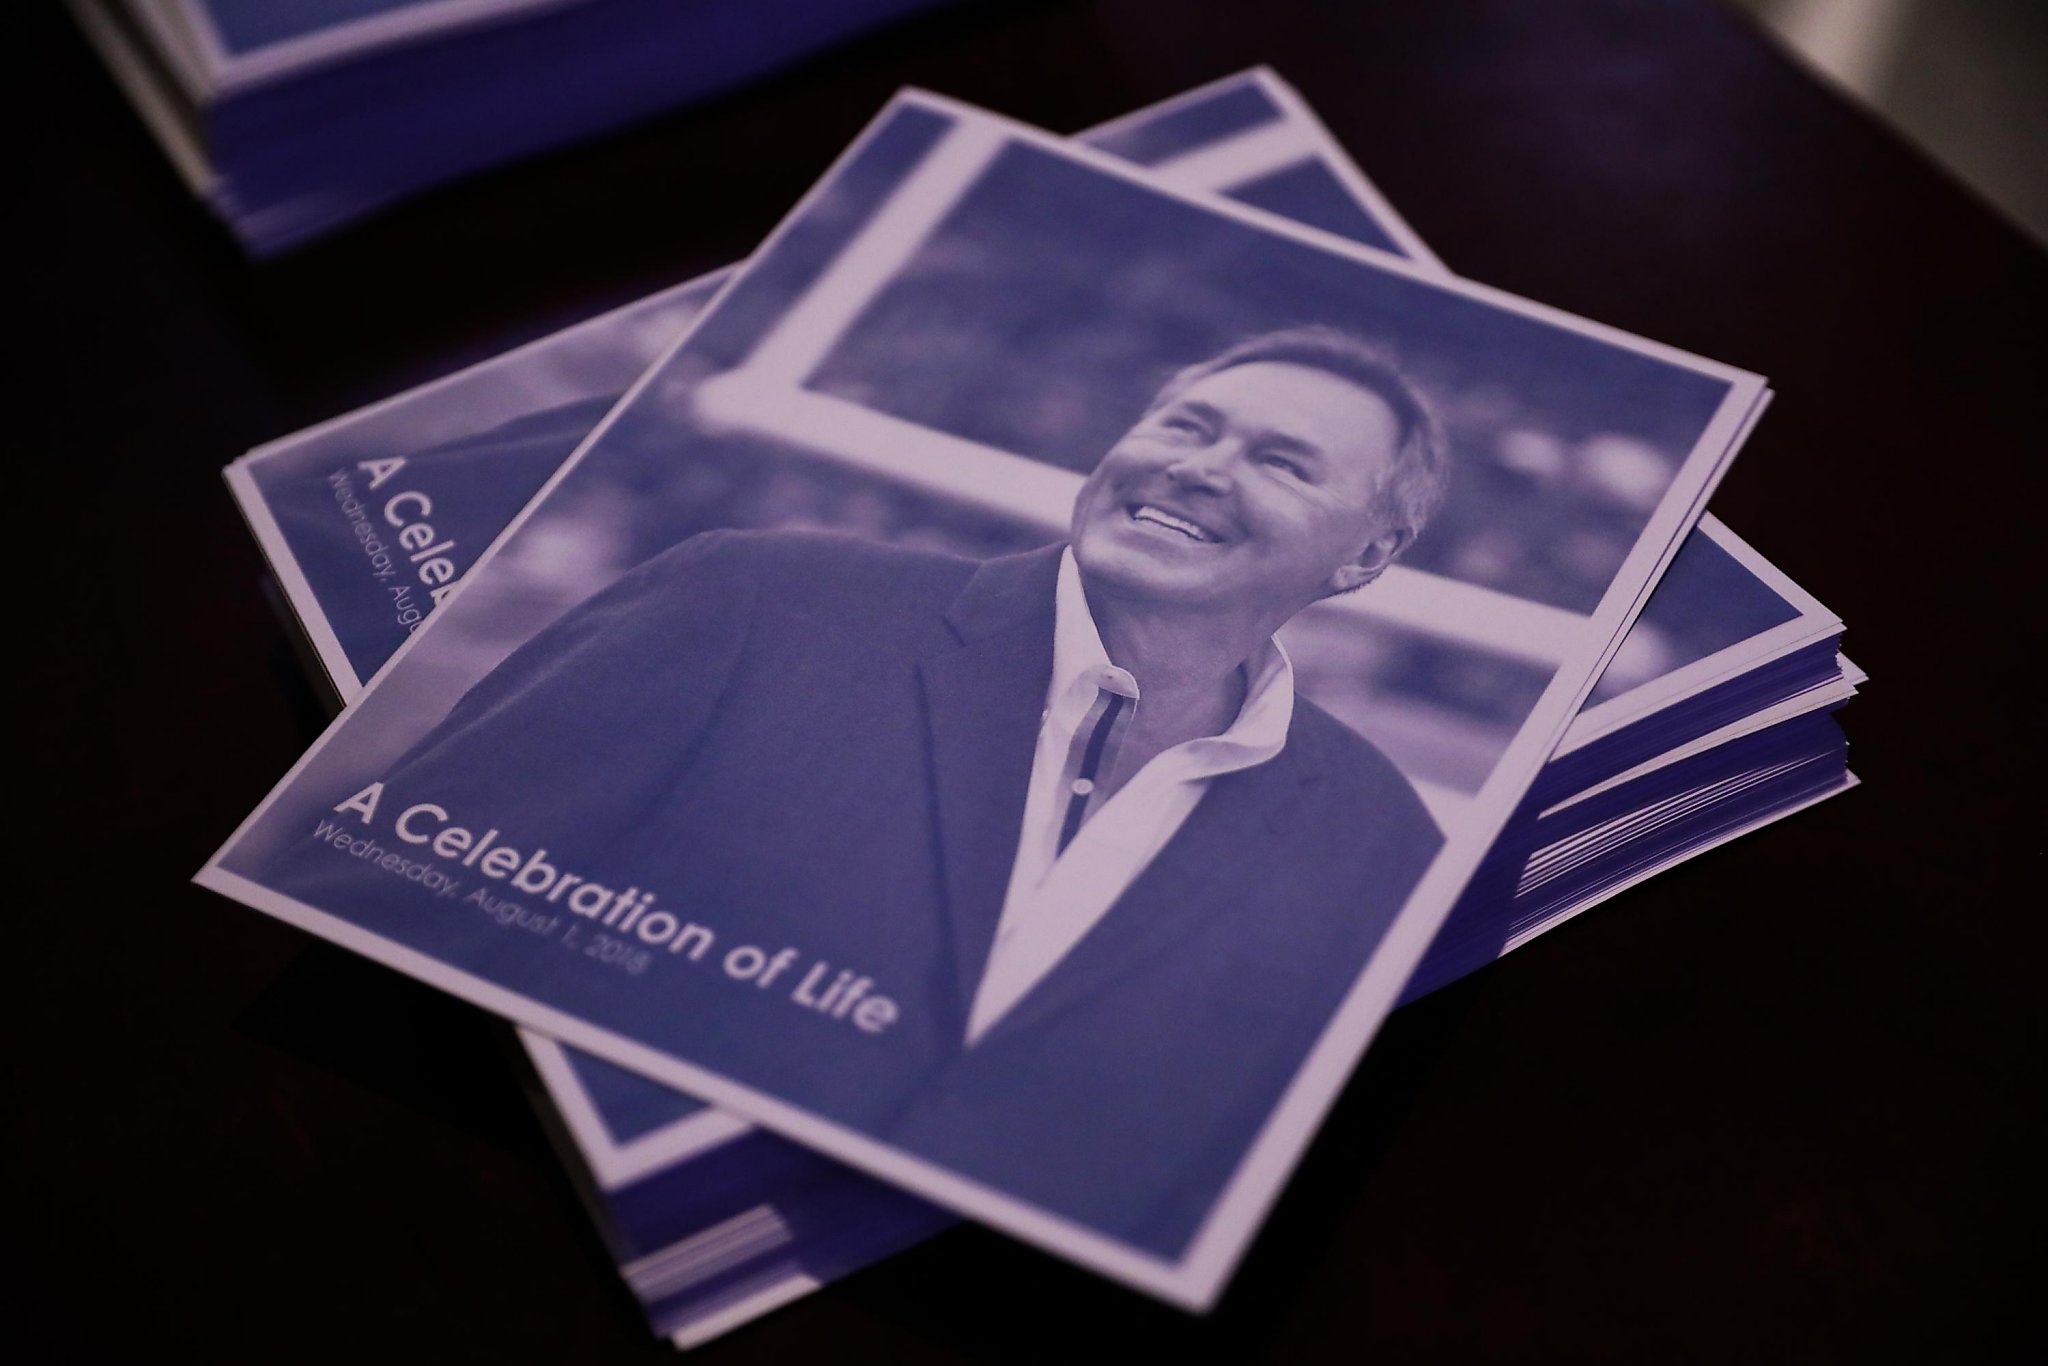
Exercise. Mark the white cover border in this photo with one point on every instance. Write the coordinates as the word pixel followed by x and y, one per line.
pixel 228 73
pixel 1813 623
pixel 614 1163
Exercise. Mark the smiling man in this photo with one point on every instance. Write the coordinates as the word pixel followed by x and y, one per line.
pixel 1291 467
pixel 1063 810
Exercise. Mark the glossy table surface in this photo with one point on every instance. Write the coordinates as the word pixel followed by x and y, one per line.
pixel 1776 1105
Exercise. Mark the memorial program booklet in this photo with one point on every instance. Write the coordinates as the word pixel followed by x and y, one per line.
pixel 746 819
pixel 713 1222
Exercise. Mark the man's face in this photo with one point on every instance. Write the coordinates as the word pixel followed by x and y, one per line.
pixel 1252 489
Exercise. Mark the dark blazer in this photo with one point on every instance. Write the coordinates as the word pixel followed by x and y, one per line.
pixel 817 742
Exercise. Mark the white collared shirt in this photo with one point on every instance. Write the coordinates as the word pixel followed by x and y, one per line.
pixel 1055 897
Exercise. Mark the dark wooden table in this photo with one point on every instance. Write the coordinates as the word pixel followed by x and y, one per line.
pixel 1776 1105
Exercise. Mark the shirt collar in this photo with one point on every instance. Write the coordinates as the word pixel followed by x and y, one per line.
pixel 1080 666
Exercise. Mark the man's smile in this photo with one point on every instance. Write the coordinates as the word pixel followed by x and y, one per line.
pixel 1152 514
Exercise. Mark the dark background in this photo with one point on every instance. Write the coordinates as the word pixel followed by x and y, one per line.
pixel 1776 1105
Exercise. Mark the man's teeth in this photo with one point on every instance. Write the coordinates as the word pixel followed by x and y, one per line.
pixel 1148 513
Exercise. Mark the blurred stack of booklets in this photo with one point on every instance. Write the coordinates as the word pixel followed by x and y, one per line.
pixel 1712 717
pixel 293 117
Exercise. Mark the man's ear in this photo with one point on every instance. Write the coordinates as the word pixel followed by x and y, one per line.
pixel 1372 561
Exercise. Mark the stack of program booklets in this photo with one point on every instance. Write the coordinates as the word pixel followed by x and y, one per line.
pixel 790 596
pixel 290 118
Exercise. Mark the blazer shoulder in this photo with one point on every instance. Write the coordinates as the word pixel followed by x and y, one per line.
pixel 1365 778
pixel 826 570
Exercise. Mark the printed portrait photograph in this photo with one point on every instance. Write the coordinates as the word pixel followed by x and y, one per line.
pixel 986 701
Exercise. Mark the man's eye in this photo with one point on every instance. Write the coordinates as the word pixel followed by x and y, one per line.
pixel 1181 426
pixel 1276 461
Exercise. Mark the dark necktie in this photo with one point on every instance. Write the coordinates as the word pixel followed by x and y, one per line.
pixel 1092 753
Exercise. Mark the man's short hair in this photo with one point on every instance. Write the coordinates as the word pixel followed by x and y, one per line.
pixel 1421 473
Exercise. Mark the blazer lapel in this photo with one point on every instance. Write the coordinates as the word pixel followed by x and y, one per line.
pixel 985 683
pixel 1238 836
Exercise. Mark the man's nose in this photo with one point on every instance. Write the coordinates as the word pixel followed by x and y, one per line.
pixel 1206 468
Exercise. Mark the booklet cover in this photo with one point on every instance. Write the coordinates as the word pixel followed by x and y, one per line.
pixel 477 444
pixel 746 819
pixel 710 1230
